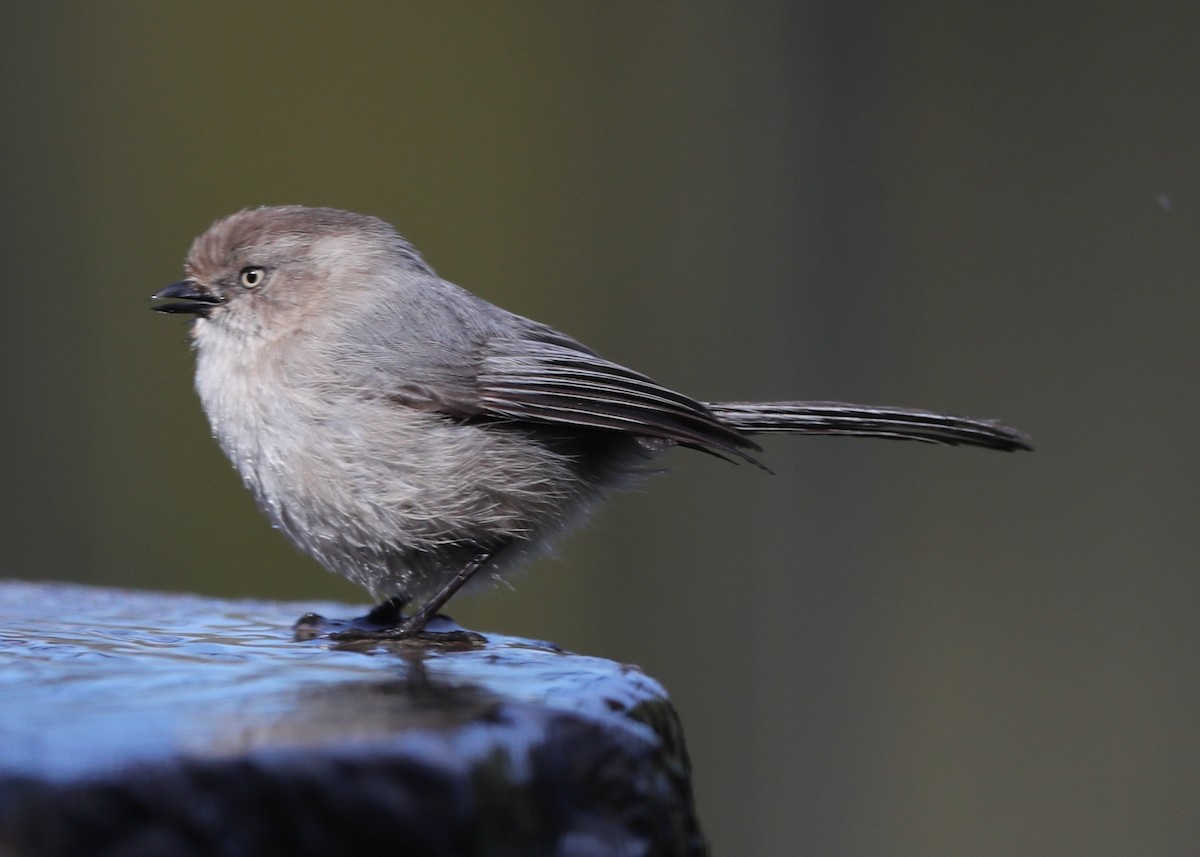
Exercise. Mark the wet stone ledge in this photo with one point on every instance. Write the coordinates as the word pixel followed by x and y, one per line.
pixel 136 723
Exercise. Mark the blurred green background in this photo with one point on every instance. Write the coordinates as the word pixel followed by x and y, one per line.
pixel 882 649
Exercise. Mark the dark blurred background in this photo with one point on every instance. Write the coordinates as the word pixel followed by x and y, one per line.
pixel 882 649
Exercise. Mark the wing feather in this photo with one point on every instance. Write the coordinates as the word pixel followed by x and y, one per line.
pixel 553 382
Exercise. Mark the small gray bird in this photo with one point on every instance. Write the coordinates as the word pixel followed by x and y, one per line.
pixel 408 434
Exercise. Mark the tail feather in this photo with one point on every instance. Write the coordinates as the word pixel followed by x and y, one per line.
pixel 840 418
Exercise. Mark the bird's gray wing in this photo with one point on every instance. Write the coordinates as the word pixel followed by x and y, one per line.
pixel 554 380
pixel 536 374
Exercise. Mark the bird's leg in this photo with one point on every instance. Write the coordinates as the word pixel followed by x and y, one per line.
pixel 386 620
pixel 415 623
pixel 389 612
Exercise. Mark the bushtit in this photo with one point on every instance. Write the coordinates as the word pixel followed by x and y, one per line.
pixel 408 434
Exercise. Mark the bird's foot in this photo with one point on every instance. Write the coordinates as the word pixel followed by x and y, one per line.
pixel 387 623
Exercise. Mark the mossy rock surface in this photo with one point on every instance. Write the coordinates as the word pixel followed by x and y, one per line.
pixel 148 723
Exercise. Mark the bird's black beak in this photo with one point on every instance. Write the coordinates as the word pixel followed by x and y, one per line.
pixel 185 297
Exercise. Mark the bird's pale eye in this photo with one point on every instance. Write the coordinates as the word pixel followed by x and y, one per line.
pixel 252 277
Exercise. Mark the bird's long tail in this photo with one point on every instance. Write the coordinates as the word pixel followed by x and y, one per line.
pixel 866 421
